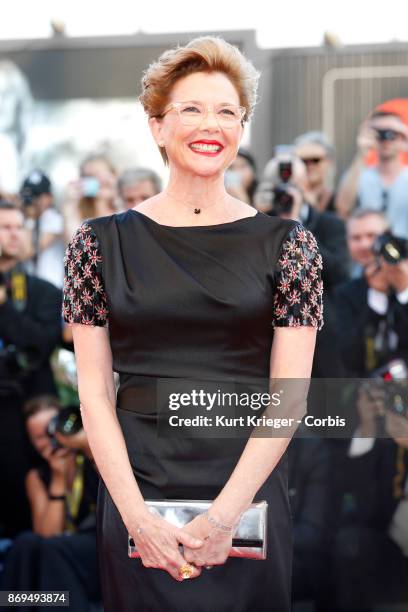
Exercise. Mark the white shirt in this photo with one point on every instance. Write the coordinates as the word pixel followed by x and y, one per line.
pixel 50 264
pixel 372 193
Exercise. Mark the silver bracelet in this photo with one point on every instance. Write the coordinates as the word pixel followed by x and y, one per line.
pixel 219 525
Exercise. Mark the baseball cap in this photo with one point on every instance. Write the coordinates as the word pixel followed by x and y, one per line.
pixel 35 185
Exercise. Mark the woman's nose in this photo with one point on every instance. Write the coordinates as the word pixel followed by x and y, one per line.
pixel 209 121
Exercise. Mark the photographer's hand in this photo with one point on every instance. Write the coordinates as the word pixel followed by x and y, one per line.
pixel 396 275
pixel 366 140
pixel 297 197
pixel 376 276
pixel 58 460
pixel 370 405
pixel 78 441
pixel 3 294
pixel 397 428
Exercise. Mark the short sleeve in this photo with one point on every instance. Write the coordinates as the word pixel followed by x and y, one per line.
pixel 84 297
pixel 298 297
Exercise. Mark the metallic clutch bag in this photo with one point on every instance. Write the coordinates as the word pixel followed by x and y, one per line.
pixel 249 539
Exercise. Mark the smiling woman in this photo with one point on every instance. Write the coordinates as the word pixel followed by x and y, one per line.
pixel 191 301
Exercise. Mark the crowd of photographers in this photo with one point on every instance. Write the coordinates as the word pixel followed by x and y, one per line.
pixel 349 495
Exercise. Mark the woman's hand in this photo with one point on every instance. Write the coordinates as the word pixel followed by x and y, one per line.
pixel 77 441
pixel 216 547
pixel 59 460
pixel 158 545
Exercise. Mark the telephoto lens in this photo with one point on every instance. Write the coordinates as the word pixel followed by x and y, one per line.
pixel 68 422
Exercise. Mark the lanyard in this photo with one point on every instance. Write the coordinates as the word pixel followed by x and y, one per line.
pixel 74 497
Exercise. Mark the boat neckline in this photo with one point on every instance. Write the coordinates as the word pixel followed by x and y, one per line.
pixel 214 225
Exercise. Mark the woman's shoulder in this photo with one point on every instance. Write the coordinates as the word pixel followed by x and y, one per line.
pixel 277 230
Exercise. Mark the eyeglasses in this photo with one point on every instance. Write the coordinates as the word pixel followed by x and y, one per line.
pixel 312 161
pixel 192 113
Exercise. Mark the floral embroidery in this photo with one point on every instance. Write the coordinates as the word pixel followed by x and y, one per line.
pixel 84 298
pixel 298 298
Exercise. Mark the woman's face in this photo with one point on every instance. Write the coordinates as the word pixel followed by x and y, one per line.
pixel 210 89
pixel 99 169
pixel 37 430
pixel 245 170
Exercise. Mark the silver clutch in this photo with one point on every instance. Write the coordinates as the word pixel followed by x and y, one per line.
pixel 249 539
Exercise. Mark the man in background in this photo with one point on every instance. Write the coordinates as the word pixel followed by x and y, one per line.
pixel 30 329
pixel 136 185
pixel 45 227
pixel 383 187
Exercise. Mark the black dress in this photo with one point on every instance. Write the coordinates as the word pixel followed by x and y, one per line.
pixel 194 302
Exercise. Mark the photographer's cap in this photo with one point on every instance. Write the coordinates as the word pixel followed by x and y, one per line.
pixel 34 186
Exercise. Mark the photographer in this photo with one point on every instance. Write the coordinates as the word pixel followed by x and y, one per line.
pixel 283 192
pixel 45 226
pixel 30 327
pixel 370 555
pixel 383 187
pixel 94 194
pixel 372 311
pixel 60 553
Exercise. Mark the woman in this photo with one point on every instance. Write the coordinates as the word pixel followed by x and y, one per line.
pixel 60 553
pixel 317 154
pixel 243 169
pixel 93 195
pixel 182 287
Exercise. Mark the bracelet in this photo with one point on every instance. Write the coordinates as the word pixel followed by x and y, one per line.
pixel 57 497
pixel 218 525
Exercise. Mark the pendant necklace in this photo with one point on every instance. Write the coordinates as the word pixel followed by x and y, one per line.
pixel 196 210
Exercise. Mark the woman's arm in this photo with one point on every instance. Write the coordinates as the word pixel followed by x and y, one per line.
pixel 97 395
pixel 47 516
pixel 158 541
pixel 291 358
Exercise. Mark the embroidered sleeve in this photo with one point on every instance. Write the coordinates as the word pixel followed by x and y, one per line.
pixel 84 297
pixel 298 298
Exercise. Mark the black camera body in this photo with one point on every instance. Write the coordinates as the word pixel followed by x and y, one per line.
pixel 282 199
pixel 391 247
pixel 392 379
pixel 68 422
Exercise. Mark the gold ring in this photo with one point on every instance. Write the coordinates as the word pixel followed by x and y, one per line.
pixel 186 571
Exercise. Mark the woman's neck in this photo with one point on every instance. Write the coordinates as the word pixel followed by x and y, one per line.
pixel 197 190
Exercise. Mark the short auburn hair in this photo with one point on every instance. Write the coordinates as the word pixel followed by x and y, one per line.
pixel 202 54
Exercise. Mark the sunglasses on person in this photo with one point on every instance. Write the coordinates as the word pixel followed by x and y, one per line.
pixel 387 135
pixel 312 161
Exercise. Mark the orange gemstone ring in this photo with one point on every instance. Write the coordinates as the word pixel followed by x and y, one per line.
pixel 186 571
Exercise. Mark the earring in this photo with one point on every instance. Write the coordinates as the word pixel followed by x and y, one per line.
pixel 161 144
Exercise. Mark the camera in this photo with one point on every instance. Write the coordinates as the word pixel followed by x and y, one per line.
pixel 391 247
pixel 282 199
pixel 90 187
pixel 68 422
pixel 391 379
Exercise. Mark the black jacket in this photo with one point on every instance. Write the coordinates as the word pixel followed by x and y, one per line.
pixel 35 331
pixel 309 492
pixel 368 484
pixel 356 321
pixel 329 231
